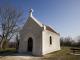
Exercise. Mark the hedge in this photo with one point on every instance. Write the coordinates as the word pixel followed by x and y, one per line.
pixel 11 50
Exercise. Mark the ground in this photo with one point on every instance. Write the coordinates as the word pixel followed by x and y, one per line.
pixel 63 54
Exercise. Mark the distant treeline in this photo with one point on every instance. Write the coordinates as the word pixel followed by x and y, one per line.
pixel 68 41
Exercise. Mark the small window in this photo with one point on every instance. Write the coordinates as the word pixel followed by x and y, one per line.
pixel 50 40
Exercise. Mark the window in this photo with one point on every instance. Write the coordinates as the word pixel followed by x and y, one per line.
pixel 50 40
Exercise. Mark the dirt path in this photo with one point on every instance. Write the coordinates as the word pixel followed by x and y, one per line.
pixel 19 58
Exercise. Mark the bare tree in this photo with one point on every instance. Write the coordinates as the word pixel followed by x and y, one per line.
pixel 78 43
pixel 9 18
pixel 66 41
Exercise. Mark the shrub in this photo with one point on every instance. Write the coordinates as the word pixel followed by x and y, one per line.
pixel 8 50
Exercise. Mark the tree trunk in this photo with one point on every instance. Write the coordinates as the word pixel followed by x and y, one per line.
pixel 4 44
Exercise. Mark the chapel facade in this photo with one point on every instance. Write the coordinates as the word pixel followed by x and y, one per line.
pixel 37 38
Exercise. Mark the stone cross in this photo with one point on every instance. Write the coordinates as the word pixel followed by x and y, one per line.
pixel 30 12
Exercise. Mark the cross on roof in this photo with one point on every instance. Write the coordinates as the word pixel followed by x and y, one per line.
pixel 30 12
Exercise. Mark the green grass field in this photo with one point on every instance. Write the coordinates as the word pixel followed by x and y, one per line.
pixel 63 54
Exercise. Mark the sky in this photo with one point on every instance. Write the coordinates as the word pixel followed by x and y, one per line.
pixel 62 15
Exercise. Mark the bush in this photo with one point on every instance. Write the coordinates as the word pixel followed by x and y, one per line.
pixel 8 50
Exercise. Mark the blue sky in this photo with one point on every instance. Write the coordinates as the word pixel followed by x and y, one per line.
pixel 62 15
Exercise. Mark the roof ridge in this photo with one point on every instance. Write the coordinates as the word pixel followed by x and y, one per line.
pixel 37 21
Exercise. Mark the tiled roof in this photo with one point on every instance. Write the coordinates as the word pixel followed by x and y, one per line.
pixel 50 29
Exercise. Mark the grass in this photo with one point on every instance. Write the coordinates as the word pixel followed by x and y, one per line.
pixel 63 54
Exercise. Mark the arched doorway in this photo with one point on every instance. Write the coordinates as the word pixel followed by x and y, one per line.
pixel 30 44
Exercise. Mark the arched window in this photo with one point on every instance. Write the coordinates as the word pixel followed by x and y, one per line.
pixel 50 39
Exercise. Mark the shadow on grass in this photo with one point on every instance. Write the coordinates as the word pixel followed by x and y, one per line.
pixel 17 54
